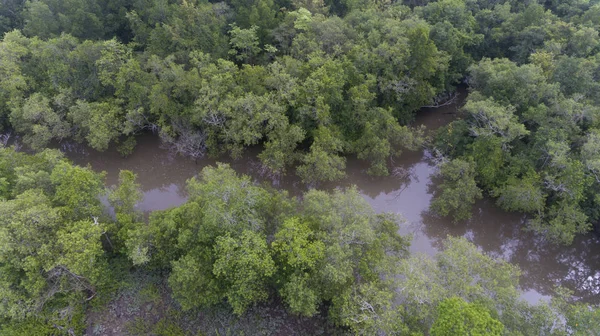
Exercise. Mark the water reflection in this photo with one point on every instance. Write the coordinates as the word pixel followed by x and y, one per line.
pixel 407 191
pixel 163 198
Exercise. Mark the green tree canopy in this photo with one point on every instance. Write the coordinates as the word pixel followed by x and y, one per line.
pixel 457 317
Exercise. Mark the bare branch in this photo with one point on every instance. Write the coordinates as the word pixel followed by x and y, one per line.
pixel 443 99
pixel 4 138
pixel 189 142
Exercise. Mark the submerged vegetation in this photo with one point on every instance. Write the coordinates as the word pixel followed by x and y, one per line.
pixel 310 82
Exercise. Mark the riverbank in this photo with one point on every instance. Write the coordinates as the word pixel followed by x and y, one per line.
pixel 544 265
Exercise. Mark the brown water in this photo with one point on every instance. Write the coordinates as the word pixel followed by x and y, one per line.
pixel 544 266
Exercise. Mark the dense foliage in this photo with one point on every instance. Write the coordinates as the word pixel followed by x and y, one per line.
pixel 531 121
pixel 52 258
pixel 308 87
pixel 309 82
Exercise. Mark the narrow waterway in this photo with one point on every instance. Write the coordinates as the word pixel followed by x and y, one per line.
pixel 543 265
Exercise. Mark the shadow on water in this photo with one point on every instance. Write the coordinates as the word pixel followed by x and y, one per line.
pixel 406 191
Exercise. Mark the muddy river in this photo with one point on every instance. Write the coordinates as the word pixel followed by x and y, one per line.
pixel 543 265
